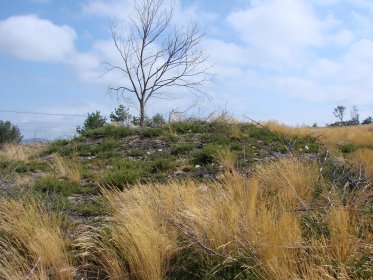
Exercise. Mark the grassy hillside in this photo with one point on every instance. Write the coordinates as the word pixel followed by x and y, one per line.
pixel 190 200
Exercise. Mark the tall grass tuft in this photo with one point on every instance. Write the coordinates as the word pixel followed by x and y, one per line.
pixel 333 136
pixel 268 225
pixel 69 169
pixel 290 180
pixel 32 243
pixel 363 159
pixel 20 152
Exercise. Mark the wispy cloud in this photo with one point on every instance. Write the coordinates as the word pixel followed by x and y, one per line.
pixel 32 38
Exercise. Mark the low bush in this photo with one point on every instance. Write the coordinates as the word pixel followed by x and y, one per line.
pixel 109 131
pixel 9 133
pixel 93 121
pixel 348 148
pixel 182 149
pixel 121 177
pixel 206 155
pixel 151 132
pixel 189 127
pixel 51 185
pixel 218 139
pixel 162 165
pixel 62 147
pixel 30 166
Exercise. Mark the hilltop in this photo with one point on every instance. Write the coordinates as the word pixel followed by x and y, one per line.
pixel 194 190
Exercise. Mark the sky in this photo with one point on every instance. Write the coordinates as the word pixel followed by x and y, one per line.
pixel 289 60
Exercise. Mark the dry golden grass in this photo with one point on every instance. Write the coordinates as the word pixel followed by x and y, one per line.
pixel 291 180
pixel 261 219
pixel 356 135
pixel 32 244
pixel 24 180
pixel 67 168
pixel 363 158
pixel 140 243
pixel 20 152
pixel 227 159
pixel 341 229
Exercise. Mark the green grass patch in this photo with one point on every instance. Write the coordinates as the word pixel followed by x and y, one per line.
pixel 54 192
pixel 95 207
pixel 182 149
pixel 189 127
pixel 22 167
pixel 62 147
pixel 151 132
pixel 121 177
pixel 58 186
pixel 109 131
pixel 218 139
pixel 136 153
pixel 206 155
pixel 163 164
pixel 348 148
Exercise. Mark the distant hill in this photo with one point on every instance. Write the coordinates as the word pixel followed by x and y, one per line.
pixel 34 140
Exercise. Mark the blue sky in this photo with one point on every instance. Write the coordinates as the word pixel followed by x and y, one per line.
pixel 289 60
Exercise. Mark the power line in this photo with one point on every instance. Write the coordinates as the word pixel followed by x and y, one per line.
pixel 38 113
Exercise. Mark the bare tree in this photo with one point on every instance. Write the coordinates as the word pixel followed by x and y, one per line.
pixel 339 112
pixel 355 115
pixel 156 55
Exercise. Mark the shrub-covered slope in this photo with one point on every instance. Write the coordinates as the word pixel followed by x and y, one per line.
pixel 189 200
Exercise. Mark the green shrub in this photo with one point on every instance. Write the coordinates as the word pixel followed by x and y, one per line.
pixel 9 133
pixel 91 207
pixel 156 121
pixel 235 146
pixel 93 120
pixel 189 127
pixel 151 132
pixel 51 185
pixel 347 148
pixel 55 192
pixel 182 149
pixel 121 177
pixel 121 115
pixel 23 167
pixel 206 155
pixel 218 139
pixel 162 165
pixel 108 145
pixel 59 146
pixel 136 153
pixel 110 131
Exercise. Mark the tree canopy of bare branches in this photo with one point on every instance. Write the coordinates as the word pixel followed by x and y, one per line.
pixel 156 55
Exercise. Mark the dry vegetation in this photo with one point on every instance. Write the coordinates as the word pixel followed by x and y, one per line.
pixel 300 216
pixel 67 168
pixel 270 225
pixel 356 135
pixel 32 243
pixel 19 152
pixel 358 138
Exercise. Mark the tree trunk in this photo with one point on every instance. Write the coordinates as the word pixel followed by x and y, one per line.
pixel 142 114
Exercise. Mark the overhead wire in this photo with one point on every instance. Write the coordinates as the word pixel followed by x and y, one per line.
pixel 40 113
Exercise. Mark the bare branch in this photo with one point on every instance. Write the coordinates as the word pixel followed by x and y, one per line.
pixel 155 55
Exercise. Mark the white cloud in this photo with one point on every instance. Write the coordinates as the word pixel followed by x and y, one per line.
pixel 115 9
pixel 341 38
pixel 347 79
pixel 278 28
pixel 120 10
pixel 228 53
pixel 32 38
